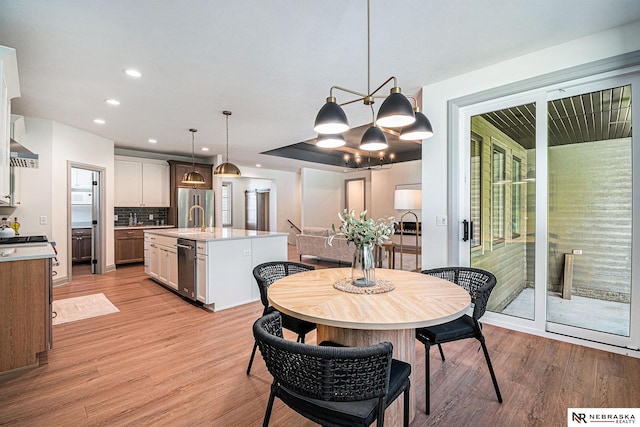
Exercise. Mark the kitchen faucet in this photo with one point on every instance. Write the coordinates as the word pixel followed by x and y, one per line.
pixel 203 228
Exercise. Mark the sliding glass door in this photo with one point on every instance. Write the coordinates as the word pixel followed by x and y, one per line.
pixel 550 208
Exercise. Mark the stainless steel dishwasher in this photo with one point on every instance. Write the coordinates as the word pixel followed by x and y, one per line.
pixel 187 268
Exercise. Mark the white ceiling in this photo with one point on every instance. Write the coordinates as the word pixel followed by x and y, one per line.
pixel 271 62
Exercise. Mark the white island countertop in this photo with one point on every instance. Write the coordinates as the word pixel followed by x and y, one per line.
pixel 21 252
pixel 215 233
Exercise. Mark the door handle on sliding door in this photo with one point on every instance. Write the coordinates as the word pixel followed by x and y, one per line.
pixel 465 230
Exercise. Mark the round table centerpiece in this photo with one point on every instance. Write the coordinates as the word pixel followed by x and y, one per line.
pixel 364 233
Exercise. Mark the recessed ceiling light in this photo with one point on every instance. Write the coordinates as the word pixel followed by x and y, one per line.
pixel 112 101
pixel 205 148
pixel 99 121
pixel 258 165
pixel 152 140
pixel 132 72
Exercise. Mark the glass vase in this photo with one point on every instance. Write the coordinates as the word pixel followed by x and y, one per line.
pixel 363 272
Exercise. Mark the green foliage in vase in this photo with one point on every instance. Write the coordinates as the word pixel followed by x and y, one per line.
pixel 362 230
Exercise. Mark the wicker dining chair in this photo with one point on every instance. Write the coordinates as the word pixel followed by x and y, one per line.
pixel 267 273
pixel 337 386
pixel 479 283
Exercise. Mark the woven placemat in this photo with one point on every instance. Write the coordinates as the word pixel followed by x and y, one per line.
pixel 381 286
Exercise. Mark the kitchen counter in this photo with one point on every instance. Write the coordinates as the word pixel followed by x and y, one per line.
pixel 21 252
pixel 221 258
pixel 216 233
pixel 141 227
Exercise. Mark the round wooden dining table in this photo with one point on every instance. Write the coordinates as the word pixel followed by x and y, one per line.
pixel 361 319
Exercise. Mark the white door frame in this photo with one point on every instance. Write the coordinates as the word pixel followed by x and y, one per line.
pixel 99 245
pixel 460 112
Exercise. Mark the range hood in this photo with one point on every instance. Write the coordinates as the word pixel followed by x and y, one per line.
pixel 19 156
pixel 22 157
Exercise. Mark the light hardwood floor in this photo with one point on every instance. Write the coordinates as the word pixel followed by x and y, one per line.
pixel 164 361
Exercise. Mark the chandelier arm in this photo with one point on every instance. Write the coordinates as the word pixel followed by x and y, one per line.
pixel 346 90
pixel 352 101
pixel 395 83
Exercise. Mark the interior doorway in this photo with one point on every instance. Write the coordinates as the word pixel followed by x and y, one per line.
pixel 85 220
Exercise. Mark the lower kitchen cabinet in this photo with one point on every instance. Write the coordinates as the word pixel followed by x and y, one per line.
pixel 162 260
pixel 80 244
pixel 25 313
pixel 129 246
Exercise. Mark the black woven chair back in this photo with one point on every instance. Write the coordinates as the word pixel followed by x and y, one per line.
pixel 267 273
pixel 339 374
pixel 479 283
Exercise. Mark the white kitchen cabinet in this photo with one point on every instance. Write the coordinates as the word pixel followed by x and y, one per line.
pixel 161 259
pixel 230 265
pixel 141 182
pixel 225 260
pixel 9 89
pixel 81 179
pixel 202 277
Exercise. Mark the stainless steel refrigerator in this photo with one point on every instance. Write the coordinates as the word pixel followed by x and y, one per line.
pixel 188 197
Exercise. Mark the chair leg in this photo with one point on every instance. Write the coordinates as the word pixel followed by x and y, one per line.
pixel 441 352
pixel 405 419
pixel 427 382
pixel 493 375
pixel 267 414
pixel 253 354
pixel 301 338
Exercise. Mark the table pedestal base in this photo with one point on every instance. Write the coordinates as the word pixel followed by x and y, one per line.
pixel 404 348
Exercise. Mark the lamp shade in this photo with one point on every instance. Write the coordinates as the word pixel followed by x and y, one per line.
pixel 330 141
pixel 395 111
pixel 407 199
pixel 193 177
pixel 420 129
pixel 331 118
pixel 227 170
pixel 373 139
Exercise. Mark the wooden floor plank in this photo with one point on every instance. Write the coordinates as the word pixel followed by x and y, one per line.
pixel 164 361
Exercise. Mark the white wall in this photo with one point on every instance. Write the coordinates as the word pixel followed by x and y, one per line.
pixel 435 98
pixel 384 183
pixel 323 195
pixel 45 191
pixel 284 196
pixel 35 187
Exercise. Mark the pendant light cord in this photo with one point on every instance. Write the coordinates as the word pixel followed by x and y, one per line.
pixel 368 47
pixel 227 115
pixel 193 148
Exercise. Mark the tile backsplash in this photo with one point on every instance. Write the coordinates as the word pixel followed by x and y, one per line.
pixel 159 214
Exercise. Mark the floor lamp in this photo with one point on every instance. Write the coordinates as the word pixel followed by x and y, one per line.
pixel 408 200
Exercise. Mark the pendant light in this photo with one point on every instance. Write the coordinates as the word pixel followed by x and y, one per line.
pixel 193 177
pixel 395 111
pixel 226 169
pixel 330 141
pixel 420 129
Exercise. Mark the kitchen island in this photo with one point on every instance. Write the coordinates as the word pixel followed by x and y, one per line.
pixel 25 304
pixel 222 264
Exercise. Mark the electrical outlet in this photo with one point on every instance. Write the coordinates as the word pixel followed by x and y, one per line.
pixel 246 252
pixel 577 251
pixel 150 216
pixel 43 220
